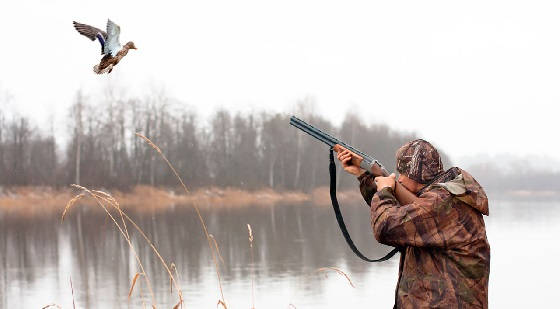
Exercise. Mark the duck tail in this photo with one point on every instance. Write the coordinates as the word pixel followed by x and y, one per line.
pixel 107 69
pixel 96 69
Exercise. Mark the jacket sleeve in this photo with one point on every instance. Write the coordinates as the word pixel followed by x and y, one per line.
pixel 430 221
pixel 367 186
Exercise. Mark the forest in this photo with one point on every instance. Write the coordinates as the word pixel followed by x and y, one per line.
pixel 242 150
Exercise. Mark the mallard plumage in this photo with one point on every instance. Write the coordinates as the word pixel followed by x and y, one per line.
pixel 111 48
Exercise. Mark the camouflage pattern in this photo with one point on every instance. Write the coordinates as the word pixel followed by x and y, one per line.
pixel 367 186
pixel 445 256
pixel 419 160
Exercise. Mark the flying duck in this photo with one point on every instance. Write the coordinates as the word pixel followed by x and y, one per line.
pixel 111 48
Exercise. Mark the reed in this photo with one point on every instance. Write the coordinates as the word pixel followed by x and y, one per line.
pixel 338 271
pixel 99 201
pixel 72 288
pixel 71 202
pixel 252 266
pixel 217 248
pixel 107 202
pixel 173 267
pixel 208 238
pixel 221 303
pixel 133 284
pixel 154 249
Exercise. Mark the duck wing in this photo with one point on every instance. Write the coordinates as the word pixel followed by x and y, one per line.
pixel 92 33
pixel 112 44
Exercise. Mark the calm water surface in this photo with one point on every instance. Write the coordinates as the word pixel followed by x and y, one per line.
pixel 39 255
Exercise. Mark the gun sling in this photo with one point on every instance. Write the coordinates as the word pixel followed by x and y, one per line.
pixel 340 220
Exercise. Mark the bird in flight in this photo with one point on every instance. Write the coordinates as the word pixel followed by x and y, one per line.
pixel 111 48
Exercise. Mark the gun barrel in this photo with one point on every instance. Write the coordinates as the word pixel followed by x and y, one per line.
pixel 311 130
pixel 331 141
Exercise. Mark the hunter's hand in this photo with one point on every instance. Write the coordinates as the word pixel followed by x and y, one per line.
pixel 384 182
pixel 350 161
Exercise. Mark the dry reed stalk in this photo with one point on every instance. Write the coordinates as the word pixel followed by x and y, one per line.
pixel 98 200
pixel 340 272
pixel 72 288
pixel 141 295
pixel 114 201
pixel 132 285
pixel 155 251
pixel 125 235
pixel 217 248
pixel 197 212
pixel 164 158
pixel 252 265
pixel 71 203
pixel 122 213
pixel 221 303
pixel 173 267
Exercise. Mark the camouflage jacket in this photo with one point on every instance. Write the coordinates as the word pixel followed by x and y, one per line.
pixel 445 256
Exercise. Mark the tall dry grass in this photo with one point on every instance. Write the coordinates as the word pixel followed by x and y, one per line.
pixel 210 196
pixel 103 200
pixel 208 238
pixel 338 271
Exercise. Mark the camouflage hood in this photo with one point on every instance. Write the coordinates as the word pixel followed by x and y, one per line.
pixel 419 161
pixel 465 188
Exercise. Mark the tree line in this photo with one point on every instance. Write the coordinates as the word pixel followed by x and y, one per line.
pixel 244 150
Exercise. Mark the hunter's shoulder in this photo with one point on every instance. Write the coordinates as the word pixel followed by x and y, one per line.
pixel 460 185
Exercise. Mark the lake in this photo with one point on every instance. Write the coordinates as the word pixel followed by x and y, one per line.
pixel 39 255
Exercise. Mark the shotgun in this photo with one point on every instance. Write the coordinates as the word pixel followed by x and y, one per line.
pixel 366 162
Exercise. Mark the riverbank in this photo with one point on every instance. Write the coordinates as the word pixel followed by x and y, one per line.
pixel 32 201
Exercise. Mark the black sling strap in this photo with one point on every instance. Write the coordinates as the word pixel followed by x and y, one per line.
pixel 340 220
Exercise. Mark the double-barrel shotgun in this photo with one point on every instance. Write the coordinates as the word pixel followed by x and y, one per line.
pixel 361 159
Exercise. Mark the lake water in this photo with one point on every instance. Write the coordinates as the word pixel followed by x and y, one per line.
pixel 38 256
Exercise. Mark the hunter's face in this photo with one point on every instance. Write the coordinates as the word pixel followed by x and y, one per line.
pixel 409 184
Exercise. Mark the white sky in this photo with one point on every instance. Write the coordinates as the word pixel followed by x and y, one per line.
pixel 476 77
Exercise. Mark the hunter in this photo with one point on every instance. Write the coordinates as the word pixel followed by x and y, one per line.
pixel 445 255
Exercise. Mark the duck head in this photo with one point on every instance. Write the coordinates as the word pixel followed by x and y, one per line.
pixel 130 45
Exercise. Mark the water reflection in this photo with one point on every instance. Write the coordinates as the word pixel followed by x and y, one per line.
pixel 291 242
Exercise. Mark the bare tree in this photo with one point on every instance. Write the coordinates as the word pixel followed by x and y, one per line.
pixel 76 114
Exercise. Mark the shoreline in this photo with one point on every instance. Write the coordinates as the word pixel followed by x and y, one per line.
pixel 33 201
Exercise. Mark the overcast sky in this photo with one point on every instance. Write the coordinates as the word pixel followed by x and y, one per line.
pixel 473 77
